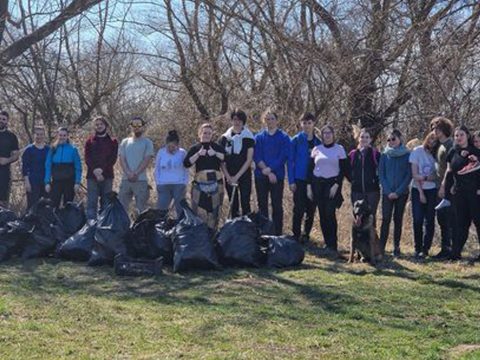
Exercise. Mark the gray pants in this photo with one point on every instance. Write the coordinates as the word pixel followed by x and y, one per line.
pixel 96 190
pixel 167 193
pixel 129 189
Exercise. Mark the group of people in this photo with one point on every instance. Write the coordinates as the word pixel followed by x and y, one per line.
pixel 441 174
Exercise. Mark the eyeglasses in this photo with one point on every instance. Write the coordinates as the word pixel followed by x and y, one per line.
pixel 391 139
pixel 136 126
pixel 3 118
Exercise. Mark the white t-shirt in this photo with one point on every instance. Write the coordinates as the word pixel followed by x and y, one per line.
pixel 426 166
pixel 135 151
pixel 327 160
pixel 169 167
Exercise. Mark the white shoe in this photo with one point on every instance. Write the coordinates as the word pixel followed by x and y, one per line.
pixel 443 204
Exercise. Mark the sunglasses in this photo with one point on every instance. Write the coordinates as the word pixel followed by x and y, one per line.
pixel 391 139
pixel 136 126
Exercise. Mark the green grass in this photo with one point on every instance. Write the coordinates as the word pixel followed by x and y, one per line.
pixel 324 309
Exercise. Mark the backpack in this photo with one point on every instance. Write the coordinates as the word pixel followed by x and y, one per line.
pixel 374 156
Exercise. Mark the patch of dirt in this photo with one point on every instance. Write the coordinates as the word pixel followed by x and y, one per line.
pixel 459 350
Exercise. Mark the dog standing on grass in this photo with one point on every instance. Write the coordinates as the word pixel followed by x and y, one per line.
pixel 365 242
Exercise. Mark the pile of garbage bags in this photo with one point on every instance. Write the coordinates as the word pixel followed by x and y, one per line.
pixel 185 244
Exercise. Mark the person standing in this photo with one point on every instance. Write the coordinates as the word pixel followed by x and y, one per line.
pixel 272 150
pixel 171 176
pixel 424 194
pixel 302 145
pixel 33 166
pixel 207 187
pixel 238 142
pixel 136 153
pixel 463 187
pixel 101 151
pixel 364 162
pixel 9 153
pixel 443 129
pixel 328 168
pixel 395 175
pixel 63 170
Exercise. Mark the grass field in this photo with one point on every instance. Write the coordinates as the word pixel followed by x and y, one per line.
pixel 323 310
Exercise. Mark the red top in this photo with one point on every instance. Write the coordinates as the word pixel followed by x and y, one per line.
pixel 101 152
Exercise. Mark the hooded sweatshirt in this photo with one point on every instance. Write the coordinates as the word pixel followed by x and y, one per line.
pixel 394 170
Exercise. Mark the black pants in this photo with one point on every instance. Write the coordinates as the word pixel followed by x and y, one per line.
pixel 244 190
pixel 4 188
pixel 467 207
pixel 62 189
pixel 302 205
pixel 264 188
pixel 397 209
pixel 38 191
pixel 446 219
pixel 327 210
pixel 423 219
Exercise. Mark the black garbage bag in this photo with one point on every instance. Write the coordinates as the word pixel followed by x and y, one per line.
pixel 72 216
pixel 48 231
pixel 283 251
pixel 238 243
pixel 13 237
pixel 6 216
pixel 265 226
pixel 112 226
pixel 78 247
pixel 150 237
pixel 192 243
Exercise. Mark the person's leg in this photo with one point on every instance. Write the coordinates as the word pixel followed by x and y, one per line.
pixel 245 187
pixel 56 192
pixel 93 193
pixel 125 194
pixel 373 199
pixel 262 189
pixel 463 222
pixel 4 190
pixel 34 195
pixel 387 211
pixel 105 188
pixel 235 209
pixel 429 220
pixel 445 219
pixel 299 208
pixel 277 206
pixel 163 197
pixel 178 195
pixel 399 210
pixel 418 215
pixel 331 226
pixel 309 213
pixel 68 191
pixel 141 193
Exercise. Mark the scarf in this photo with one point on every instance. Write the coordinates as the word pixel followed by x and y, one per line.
pixel 235 141
pixel 396 152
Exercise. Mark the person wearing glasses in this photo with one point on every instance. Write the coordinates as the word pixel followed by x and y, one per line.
pixel 101 151
pixel 395 175
pixel 327 171
pixel 135 153
pixel 9 153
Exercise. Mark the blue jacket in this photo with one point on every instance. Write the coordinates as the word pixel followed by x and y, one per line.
pixel 298 162
pixel 395 171
pixel 273 150
pixel 33 163
pixel 64 154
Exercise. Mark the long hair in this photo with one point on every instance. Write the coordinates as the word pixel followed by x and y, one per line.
pixel 55 143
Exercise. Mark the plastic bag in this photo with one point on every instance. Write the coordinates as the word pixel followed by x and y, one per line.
pixel 265 226
pixel 13 237
pixel 72 216
pixel 79 246
pixel 6 216
pixel 238 243
pixel 192 243
pixel 283 251
pixel 112 226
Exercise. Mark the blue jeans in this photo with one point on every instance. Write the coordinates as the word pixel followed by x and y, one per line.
pixel 95 191
pixel 168 192
pixel 423 219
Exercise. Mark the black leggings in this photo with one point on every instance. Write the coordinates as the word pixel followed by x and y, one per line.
pixel 397 209
pixel 302 205
pixel 244 190
pixel 62 189
pixel 467 207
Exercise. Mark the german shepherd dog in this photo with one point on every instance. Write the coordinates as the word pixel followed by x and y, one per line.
pixel 365 242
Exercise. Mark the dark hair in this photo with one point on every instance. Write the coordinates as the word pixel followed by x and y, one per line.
pixel 240 115
pixel 476 134
pixel 172 136
pixel 443 124
pixel 139 118
pixel 466 131
pixel 308 117
pixel 5 113
pixel 398 134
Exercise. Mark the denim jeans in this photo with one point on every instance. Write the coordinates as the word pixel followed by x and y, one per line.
pixel 423 219
pixel 97 191
pixel 168 192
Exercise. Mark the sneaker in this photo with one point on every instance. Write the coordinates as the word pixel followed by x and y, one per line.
pixel 396 252
pixel 419 255
pixel 443 204
pixel 470 167
pixel 443 254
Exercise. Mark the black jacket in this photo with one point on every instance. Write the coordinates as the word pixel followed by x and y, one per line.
pixel 364 170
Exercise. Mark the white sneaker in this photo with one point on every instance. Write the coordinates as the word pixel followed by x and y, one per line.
pixel 443 204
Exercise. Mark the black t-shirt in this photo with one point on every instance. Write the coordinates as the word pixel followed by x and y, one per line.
pixel 457 162
pixel 235 162
pixel 8 144
pixel 311 144
pixel 204 162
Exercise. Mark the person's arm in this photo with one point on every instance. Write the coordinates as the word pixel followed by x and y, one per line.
pixel 258 155
pixel 89 157
pixel 157 169
pixel 279 162
pixel 291 161
pixel 246 165
pixel 114 153
pixel 418 179
pixel 192 156
pixel 146 160
pixel 48 167
pixel 26 163
pixel 407 178
pixel 383 176
pixel 78 166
